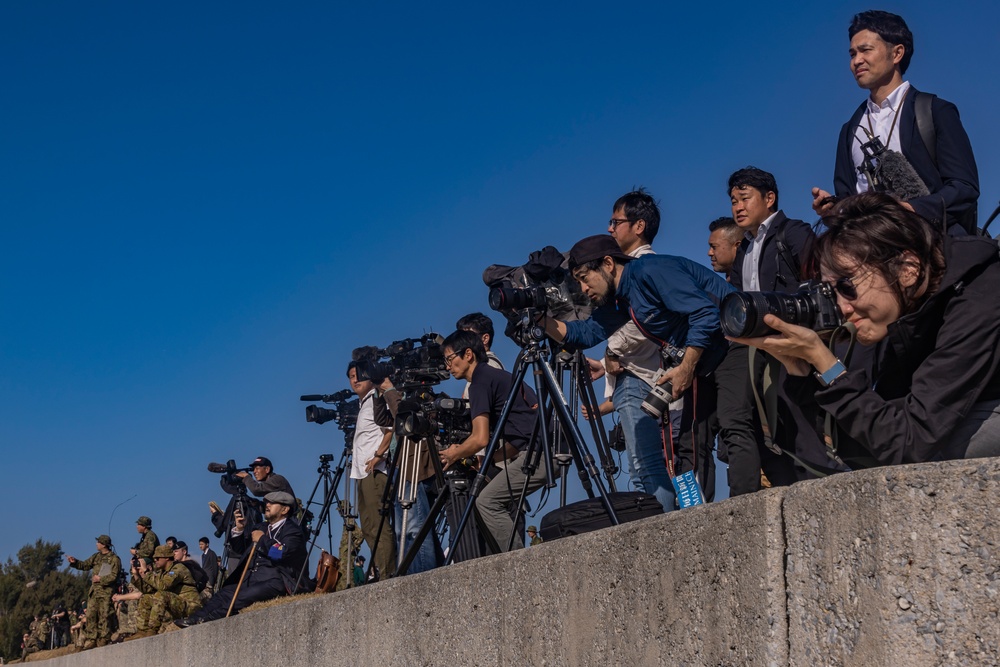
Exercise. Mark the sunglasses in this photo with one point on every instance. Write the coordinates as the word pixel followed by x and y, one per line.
pixel 845 287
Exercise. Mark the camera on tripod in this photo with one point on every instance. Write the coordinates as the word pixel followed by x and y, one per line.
pixel 814 306
pixel 447 420
pixel 657 401
pixel 409 363
pixel 229 471
pixel 345 410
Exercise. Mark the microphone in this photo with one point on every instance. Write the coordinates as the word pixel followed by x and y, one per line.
pixel 312 397
pixel 341 395
pixel 217 467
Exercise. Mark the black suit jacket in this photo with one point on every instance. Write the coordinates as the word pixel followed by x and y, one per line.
pixel 953 181
pixel 210 563
pixel 284 563
pixel 775 272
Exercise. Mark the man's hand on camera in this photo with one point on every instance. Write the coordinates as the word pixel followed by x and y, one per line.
pixel 680 378
pixel 241 474
pixel 449 456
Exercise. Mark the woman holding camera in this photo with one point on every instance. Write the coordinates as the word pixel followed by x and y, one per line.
pixel 931 307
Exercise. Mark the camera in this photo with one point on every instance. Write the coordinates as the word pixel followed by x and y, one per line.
pixel 437 416
pixel 814 306
pixel 657 401
pixel 506 299
pixel 345 410
pixel 409 363
pixel 229 471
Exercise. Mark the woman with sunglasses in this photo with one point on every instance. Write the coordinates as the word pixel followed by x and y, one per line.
pixel 931 307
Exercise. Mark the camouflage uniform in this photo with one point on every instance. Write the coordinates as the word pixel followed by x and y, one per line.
pixel 145 547
pixel 43 632
pixel 347 554
pixel 100 611
pixel 126 613
pixel 167 595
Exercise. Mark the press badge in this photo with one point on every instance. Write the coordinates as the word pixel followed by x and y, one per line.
pixel 276 551
pixel 688 490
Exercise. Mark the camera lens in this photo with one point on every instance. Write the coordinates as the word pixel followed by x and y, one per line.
pixel 742 313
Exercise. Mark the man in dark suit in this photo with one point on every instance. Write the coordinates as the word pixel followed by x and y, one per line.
pixel 769 259
pixel 926 130
pixel 276 552
pixel 209 562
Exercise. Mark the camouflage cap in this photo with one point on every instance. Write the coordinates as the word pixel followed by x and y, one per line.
pixel 532 529
pixel 163 551
pixel 104 539
pixel 144 521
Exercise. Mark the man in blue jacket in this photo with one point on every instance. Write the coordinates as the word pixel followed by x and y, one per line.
pixel 672 300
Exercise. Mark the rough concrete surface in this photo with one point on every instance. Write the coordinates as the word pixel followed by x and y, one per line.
pixel 896 566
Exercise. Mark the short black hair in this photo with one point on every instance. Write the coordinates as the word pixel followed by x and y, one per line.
pixel 890 27
pixel 204 539
pixel 462 340
pixel 758 179
pixel 477 322
pixel 727 225
pixel 640 205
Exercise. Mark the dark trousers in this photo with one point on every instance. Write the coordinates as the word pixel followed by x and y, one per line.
pixel 694 446
pixel 251 591
pixel 739 426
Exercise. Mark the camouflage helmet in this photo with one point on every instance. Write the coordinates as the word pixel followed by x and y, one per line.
pixel 163 551
pixel 104 539
pixel 144 521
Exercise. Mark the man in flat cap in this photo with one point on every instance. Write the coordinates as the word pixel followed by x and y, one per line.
pixel 168 592
pixel 105 566
pixel 275 551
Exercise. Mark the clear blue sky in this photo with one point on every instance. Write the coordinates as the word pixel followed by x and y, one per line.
pixel 206 206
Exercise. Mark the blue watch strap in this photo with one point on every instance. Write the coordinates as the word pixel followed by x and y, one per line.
pixel 835 371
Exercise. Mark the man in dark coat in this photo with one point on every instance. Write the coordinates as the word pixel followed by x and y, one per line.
pixel 273 556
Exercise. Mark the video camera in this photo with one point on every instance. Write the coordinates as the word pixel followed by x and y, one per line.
pixel 409 363
pixel 345 410
pixel 814 306
pixel 543 284
pixel 438 416
pixel 229 471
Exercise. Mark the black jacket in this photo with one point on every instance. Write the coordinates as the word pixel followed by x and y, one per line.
pixel 953 180
pixel 280 557
pixel 933 365
pixel 776 270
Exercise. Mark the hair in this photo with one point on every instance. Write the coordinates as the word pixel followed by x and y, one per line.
pixel 874 230
pixel 461 340
pixel 640 205
pixel 890 27
pixel 204 539
pixel 478 323
pixel 171 538
pixel 758 179
pixel 728 226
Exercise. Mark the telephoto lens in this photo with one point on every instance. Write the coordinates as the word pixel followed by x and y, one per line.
pixel 814 307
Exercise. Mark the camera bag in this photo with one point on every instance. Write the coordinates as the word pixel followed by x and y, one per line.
pixel 589 515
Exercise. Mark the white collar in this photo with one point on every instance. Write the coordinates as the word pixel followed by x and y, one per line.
pixel 891 101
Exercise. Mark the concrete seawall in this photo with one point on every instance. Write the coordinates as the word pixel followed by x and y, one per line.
pixel 894 566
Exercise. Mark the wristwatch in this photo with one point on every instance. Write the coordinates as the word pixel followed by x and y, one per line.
pixel 830 376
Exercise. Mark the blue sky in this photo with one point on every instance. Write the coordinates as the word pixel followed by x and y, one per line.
pixel 205 207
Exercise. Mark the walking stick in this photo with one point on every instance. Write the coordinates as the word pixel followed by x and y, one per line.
pixel 253 552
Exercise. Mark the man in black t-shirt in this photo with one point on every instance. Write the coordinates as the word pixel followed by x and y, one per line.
pixel 490 387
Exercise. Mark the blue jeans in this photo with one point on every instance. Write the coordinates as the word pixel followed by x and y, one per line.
pixel 427 556
pixel 643 441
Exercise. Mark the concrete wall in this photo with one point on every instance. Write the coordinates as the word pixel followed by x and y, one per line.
pixel 896 566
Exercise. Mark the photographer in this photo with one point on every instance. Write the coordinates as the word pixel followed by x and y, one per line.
pixel 490 387
pixel 264 480
pixel 368 467
pixel 931 305
pixel 673 301
pixel 168 592
pixel 149 541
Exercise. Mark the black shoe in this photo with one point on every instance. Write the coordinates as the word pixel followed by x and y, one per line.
pixel 186 622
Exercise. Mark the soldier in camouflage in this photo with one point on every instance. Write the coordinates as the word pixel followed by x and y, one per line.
pixel 105 566
pixel 168 592
pixel 148 540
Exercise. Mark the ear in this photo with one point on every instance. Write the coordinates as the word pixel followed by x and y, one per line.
pixel 909 269
pixel 639 226
pixel 770 198
pixel 608 265
pixel 898 51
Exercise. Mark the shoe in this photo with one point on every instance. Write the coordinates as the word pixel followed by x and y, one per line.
pixel 89 644
pixel 102 642
pixel 187 622
pixel 142 634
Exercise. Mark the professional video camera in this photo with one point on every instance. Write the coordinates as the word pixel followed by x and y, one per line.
pixel 409 363
pixel 543 285
pixel 437 416
pixel 229 471
pixel 344 411
pixel 814 306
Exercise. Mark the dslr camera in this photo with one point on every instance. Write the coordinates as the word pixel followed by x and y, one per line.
pixel 657 401
pixel 814 306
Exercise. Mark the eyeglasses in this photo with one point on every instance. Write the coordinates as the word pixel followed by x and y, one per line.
pixel 614 222
pixel 451 357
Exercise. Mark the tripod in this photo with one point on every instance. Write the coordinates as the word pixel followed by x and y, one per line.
pixel 533 351
pixel 330 481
